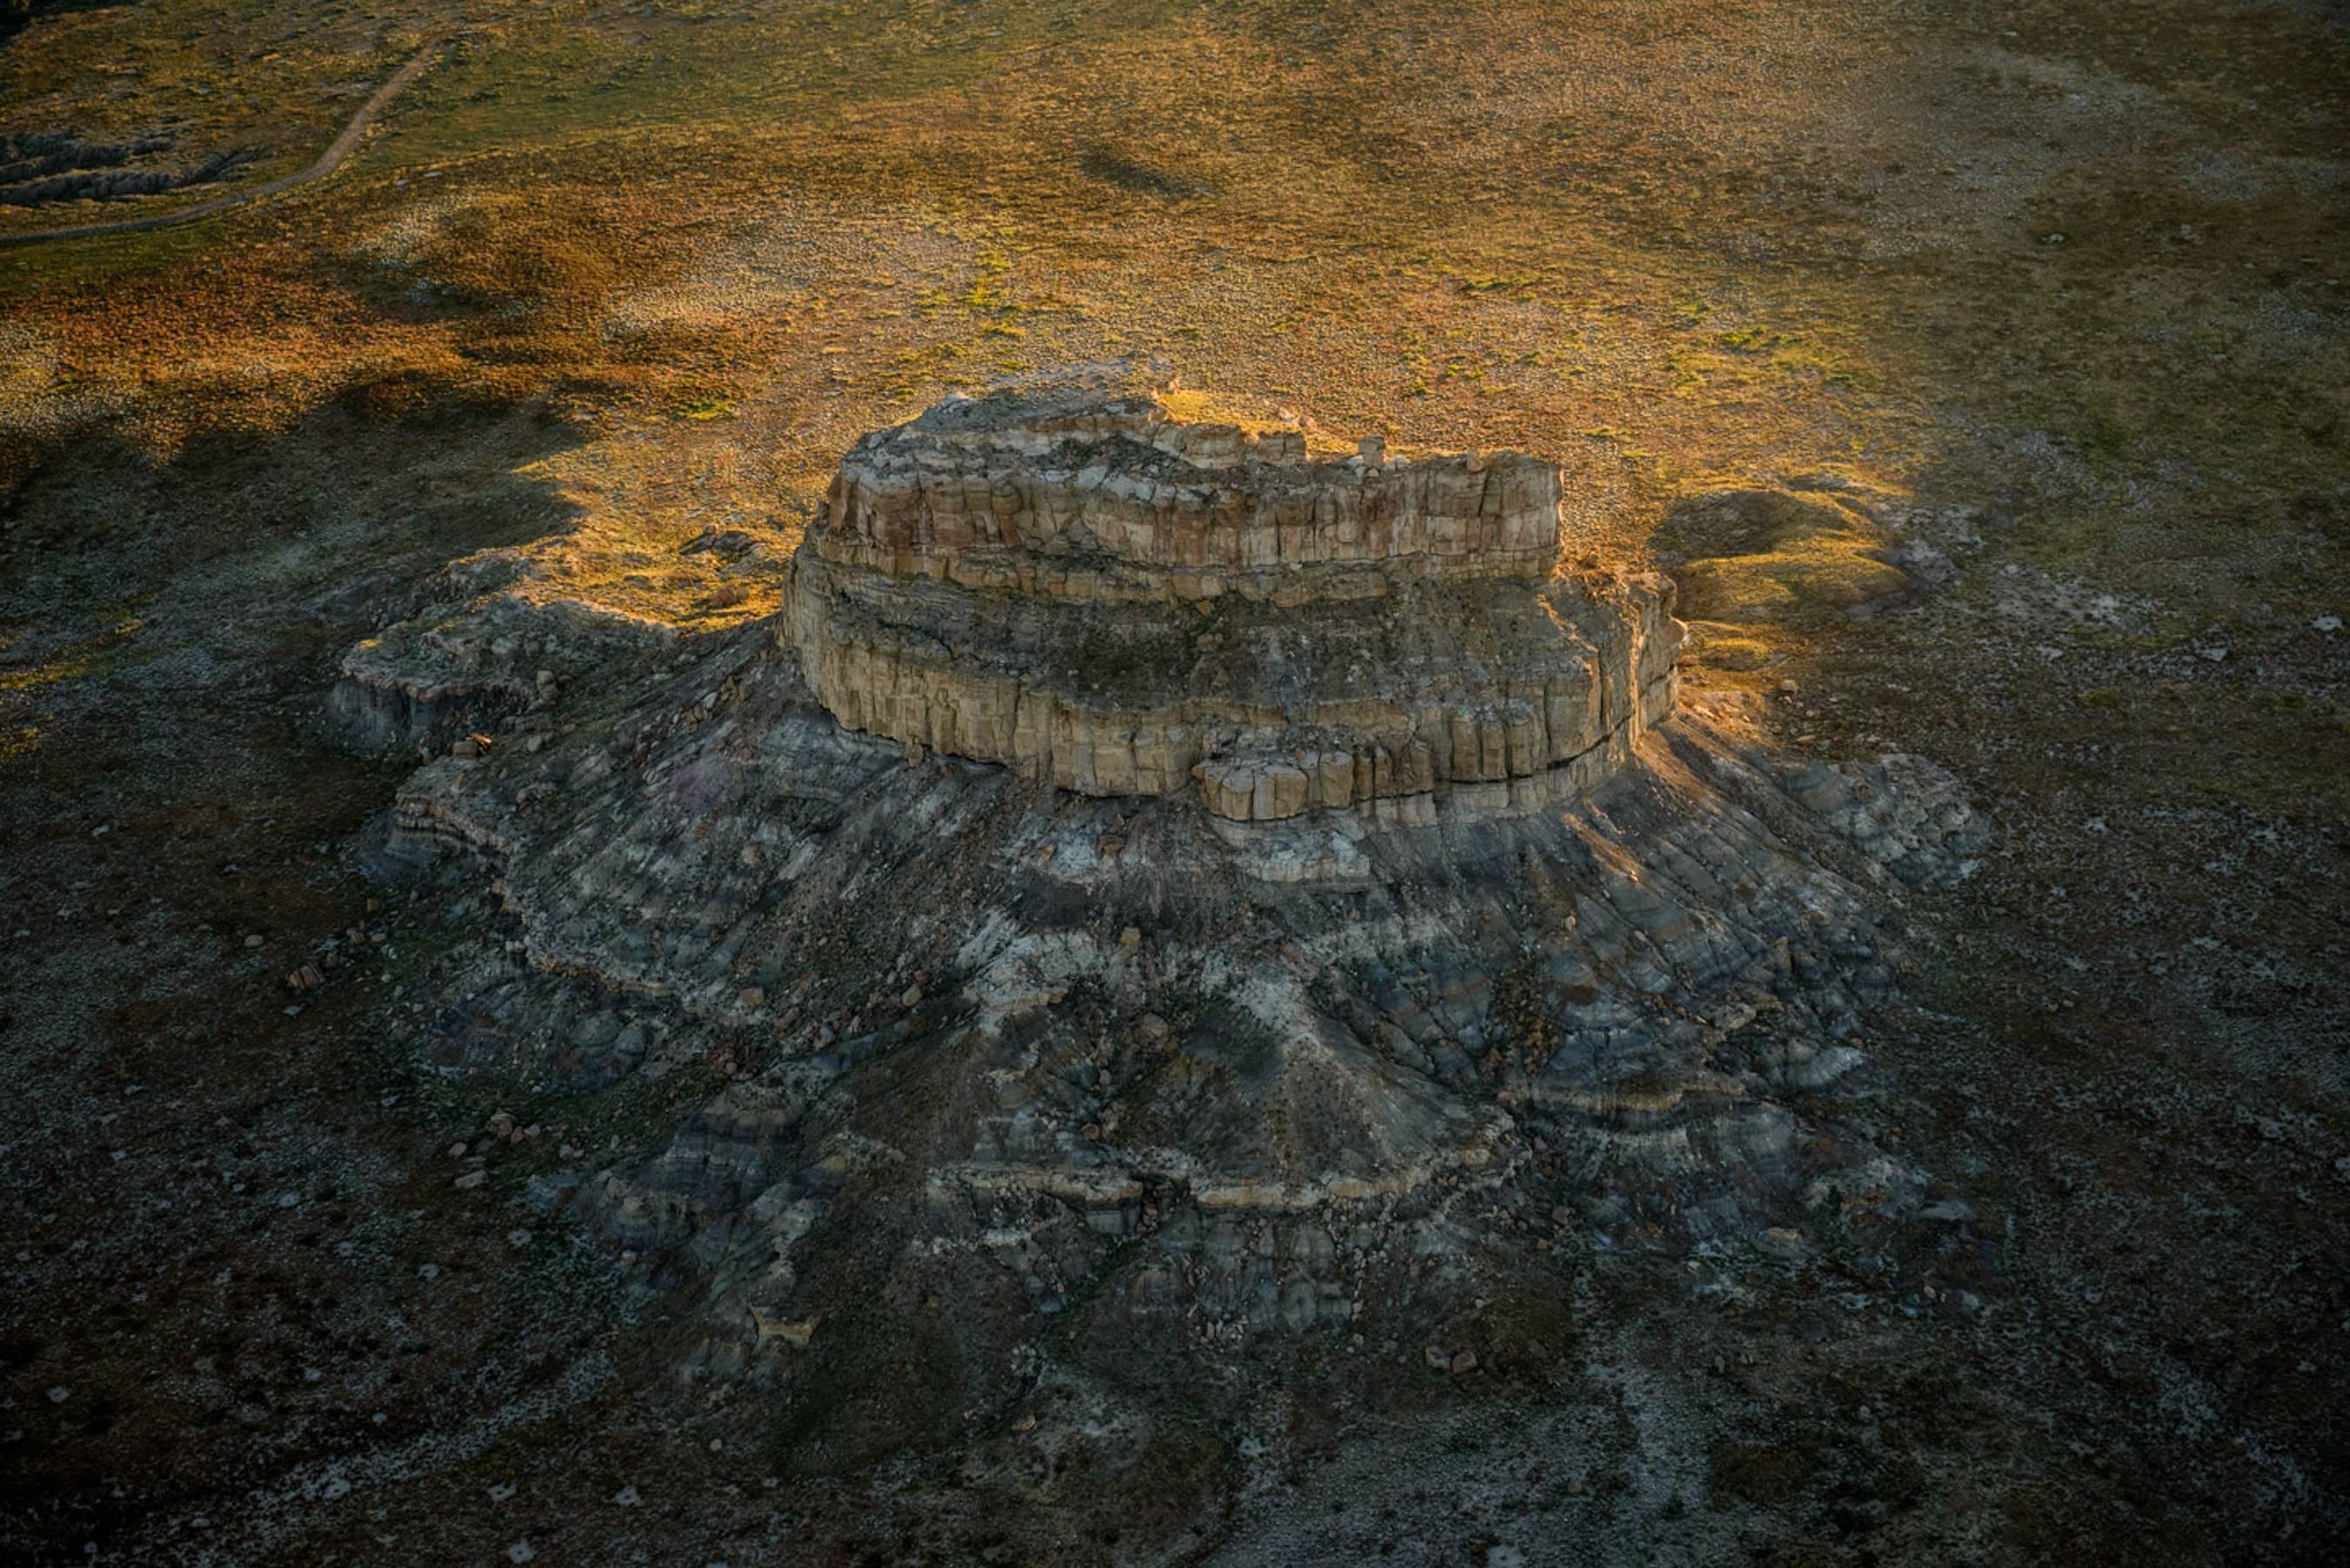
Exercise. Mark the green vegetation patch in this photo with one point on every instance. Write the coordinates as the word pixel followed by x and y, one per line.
pixel 1773 557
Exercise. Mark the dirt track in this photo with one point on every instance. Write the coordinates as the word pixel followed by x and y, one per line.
pixel 328 162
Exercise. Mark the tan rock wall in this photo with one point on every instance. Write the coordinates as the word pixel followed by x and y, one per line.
pixel 1028 580
pixel 1251 761
pixel 905 513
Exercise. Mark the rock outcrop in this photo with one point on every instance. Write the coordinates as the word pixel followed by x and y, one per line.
pixel 1356 1052
pixel 472 654
pixel 1074 580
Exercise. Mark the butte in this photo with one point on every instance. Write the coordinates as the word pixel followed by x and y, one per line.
pixel 1160 881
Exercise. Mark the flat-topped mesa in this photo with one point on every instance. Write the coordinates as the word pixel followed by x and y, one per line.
pixel 1090 586
pixel 1121 497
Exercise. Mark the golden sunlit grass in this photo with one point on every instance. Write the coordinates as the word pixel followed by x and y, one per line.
pixel 1663 255
pixel 1255 416
pixel 1777 559
pixel 1734 648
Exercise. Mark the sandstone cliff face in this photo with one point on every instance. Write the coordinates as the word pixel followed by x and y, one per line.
pixel 1209 508
pixel 1080 586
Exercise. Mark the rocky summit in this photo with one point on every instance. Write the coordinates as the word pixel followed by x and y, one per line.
pixel 1114 594
pixel 1163 886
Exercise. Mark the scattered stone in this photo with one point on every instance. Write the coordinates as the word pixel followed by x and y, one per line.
pixel 793 1332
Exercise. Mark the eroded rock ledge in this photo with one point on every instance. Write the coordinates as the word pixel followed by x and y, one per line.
pixel 1078 581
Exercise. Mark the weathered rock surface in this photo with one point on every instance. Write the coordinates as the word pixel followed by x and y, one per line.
pixel 976 1036
pixel 1903 812
pixel 1270 1043
pixel 470 655
pixel 1071 579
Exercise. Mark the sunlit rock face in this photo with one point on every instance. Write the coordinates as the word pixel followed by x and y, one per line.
pixel 1076 580
pixel 1162 888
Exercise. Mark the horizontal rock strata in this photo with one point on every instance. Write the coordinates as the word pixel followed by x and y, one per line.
pixel 1068 1054
pixel 956 1068
pixel 1081 587
pixel 1206 508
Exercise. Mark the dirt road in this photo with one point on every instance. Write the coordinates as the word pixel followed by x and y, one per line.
pixel 328 162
